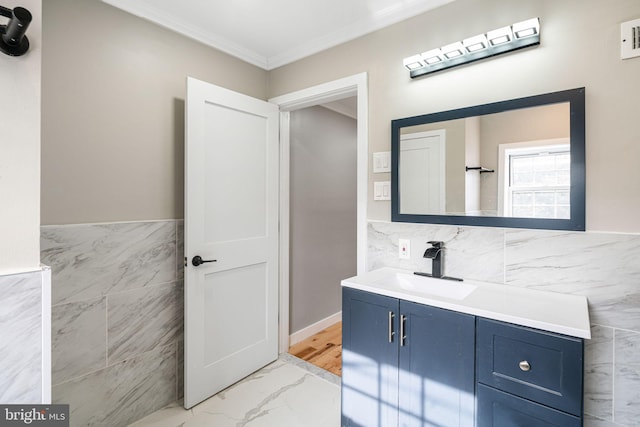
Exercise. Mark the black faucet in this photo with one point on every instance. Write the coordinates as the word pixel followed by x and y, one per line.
pixel 436 253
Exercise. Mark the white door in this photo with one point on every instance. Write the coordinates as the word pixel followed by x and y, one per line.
pixel 231 222
pixel 422 173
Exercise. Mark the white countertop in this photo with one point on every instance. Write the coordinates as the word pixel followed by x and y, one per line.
pixel 549 311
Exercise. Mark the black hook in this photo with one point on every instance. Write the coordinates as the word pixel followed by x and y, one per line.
pixel 13 41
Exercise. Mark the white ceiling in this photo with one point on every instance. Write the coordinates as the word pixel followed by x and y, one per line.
pixel 271 33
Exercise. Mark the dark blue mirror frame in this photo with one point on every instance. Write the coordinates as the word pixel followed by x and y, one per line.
pixel 576 100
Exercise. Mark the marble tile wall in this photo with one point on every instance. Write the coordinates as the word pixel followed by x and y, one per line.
pixel 604 267
pixel 116 318
pixel 117 306
pixel 21 320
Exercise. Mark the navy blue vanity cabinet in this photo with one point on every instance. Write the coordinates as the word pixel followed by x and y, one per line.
pixel 527 377
pixel 369 359
pixel 405 364
pixel 437 361
pixel 500 409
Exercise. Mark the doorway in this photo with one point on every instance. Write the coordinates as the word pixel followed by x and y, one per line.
pixel 317 95
pixel 323 247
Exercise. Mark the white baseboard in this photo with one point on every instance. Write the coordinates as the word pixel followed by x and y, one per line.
pixel 311 330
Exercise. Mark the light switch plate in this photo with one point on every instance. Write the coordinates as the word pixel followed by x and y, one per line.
pixel 382 162
pixel 382 190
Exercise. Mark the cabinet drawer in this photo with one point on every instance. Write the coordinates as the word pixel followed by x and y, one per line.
pixel 540 366
pixel 499 409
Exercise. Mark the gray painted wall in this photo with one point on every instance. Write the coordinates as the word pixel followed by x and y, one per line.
pixel 113 90
pixel 323 212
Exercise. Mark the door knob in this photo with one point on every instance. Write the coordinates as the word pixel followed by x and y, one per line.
pixel 197 260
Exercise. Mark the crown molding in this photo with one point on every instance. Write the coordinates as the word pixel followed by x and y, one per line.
pixel 379 20
pixel 210 39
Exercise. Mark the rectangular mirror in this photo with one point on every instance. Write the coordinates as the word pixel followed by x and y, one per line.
pixel 518 163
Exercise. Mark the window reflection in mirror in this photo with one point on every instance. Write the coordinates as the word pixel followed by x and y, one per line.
pixel 535 179
pixel 516 160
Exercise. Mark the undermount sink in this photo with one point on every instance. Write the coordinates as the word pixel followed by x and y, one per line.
pixel 433 286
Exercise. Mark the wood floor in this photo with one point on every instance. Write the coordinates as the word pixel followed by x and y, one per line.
pixel 323 349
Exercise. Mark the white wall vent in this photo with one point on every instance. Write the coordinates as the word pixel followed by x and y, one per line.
pixel 630 39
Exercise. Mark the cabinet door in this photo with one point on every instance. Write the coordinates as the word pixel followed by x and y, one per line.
pixel 369 360
pixel 436 367
pixel 499 409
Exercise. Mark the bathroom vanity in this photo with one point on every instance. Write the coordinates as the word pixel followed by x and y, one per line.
pixel 419 351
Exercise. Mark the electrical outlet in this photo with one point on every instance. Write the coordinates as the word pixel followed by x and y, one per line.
pixel 404 248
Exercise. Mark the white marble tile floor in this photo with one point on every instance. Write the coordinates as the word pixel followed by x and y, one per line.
pixel 286 393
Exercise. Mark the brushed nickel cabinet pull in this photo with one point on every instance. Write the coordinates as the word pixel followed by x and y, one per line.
pixel 525 366
pixel 391 333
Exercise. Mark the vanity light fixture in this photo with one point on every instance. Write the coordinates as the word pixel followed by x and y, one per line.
pixel 500 36
pixel 433 56
pixel 527 28
pixel 414 62
pixel 453 50
pixel 495 42
pixel 476 43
